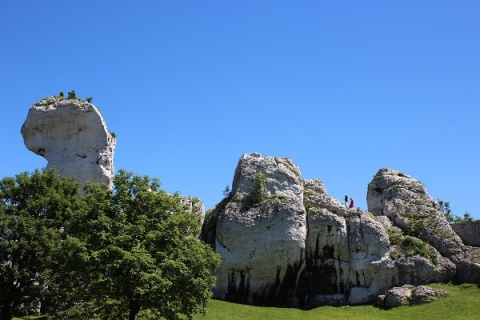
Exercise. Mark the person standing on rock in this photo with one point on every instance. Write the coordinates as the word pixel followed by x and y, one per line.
pixel 352 203
pixel 346 200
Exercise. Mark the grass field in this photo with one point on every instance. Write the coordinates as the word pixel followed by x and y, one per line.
pixel 462 304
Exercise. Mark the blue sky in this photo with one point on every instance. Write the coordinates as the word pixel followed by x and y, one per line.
pixel 343 88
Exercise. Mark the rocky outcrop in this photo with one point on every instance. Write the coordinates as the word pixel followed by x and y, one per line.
pixel 468 231
pixel 73 137
pixel 408 206
pixel 261 233
pixel 195 206
pixel 408 295
pixel 285 242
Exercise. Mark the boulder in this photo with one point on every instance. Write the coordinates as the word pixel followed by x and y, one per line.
pixel 72 136
pixel 425 294
pixel 398 296
pixel 408 295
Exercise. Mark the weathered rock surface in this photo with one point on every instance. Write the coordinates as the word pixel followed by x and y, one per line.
pixel 195 206
pixel 285 242
pixel 408 295
pixel 406 203
pixel 72 135
pixel 261 233
pixel 468 231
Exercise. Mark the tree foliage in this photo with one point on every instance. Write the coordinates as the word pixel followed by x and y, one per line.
pixel 146 242
pixel 33 210
pixel 105 253
pixel 452 218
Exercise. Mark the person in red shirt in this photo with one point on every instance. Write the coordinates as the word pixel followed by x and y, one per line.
pixel 352 203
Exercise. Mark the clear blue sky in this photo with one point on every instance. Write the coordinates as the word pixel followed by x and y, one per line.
pixel 343 88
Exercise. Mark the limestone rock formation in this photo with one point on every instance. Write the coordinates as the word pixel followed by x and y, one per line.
pixel 73 137
pixel 285 242
pixel 406 203
pixel 261 233
pixel 468 231
pixel 195 206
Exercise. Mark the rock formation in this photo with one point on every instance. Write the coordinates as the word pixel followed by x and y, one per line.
pixel 282 239
pixel 72 135
pixel 285 242
pixel 408 206
pixel 468 231
pixel 408 295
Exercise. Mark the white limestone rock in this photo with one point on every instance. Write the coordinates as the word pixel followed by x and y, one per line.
pixel 261 239
pixel 73 137
pixel 408 295
pixel 407 204
pixel 293 245
pixel 347 258
pixel 398 296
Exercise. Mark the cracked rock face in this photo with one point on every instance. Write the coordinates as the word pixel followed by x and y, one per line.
pixel 73 137
pixel 261 238
pixel 285 242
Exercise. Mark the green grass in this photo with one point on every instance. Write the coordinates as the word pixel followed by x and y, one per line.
pixel 463 303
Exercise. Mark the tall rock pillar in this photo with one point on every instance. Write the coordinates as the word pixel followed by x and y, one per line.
pixel 72 135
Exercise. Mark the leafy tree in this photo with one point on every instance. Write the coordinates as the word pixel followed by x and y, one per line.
pixel 145 244
pixel 445 207
pixel 466 218
pixel 33 212
pixel 102 253
pixel 227 191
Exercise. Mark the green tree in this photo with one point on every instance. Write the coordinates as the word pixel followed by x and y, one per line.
pixel 466 218
pixel 34 209
pixel 452 218
pixel 445 207
pixel 145 244
pixel 227 192
pixel 102 253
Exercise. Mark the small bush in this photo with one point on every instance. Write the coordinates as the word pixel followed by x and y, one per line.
pixel 72 95
pixel 413 246
pixel 260 189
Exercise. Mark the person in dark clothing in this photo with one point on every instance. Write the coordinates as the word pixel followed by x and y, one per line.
pixel 346 200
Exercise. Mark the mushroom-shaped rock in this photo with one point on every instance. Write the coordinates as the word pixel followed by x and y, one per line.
pixel 73 137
